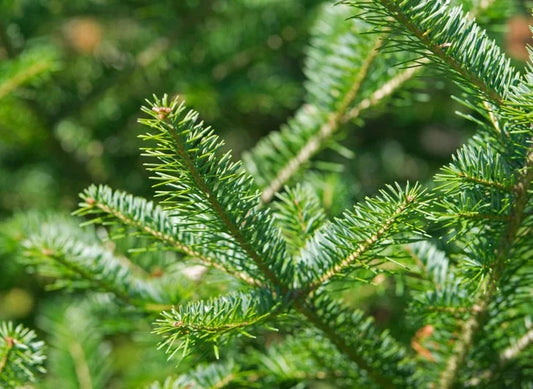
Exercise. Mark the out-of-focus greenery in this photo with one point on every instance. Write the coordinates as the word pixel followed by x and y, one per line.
pixel 74 73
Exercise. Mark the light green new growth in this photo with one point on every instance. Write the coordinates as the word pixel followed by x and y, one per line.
pixel 21 356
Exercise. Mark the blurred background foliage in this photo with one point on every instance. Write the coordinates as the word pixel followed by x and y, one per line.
pixel 73 75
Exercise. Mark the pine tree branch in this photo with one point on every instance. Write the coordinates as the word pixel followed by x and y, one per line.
pixel 437 31
pixel 490 284
pixel 115 204
pixel 104 285
pixel 335 119
pixel 233 229
pixel 364 246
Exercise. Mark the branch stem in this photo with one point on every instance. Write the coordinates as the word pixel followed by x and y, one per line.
pixel 306 308
pixel 173 242
pixel 335 119
pixel 233 229
pixel 10 342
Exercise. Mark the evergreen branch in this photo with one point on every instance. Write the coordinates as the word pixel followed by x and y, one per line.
pixel 489 288
pixel 378 354
pixel 21 355
pixel 361 234
pixel 432 262
pixel 108 206
pixel 298 215
pixel 478 165
pixel 205 322
pixel 79 352
pixel 80 365
pixel 517 347
pixel 456 42
pixel 212 376
pixel 300 357
pixel 386 90
pixel 337 67
pixel 205 182
pixel 280 156
pixel 73 263
pixel 331 125
pixel 482 181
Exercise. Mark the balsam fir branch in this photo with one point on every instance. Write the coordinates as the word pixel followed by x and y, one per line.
pixel 79 353
pixel 204 323
pixel 346 75
pixel 359 235
pixel 108 207
pixel 455 42
pixel 30 67
pixel 467 285
pixel 79 263
pixel 471 56
pixel 21 355
pixel 182 156
pixel 298 214
pixel 203 184
pixel 342 84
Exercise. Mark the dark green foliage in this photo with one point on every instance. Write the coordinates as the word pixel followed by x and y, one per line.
pixel 249 281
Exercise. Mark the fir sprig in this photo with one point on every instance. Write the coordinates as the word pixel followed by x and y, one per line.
pixel 202 184
pixel 449 37
pixel 108 207
pixel 346 75
pixel 360 235
pixel 194 325
pixel 74 261
pixel 21 355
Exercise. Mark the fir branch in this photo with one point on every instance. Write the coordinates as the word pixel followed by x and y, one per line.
pixel 106 206
pixel 377 354
pixel 205 181
pixel 386 90
pixel 517 347
pixel 331 125
pixel 298 215
pixel 476 165
pixel 432 262
pixel 21 355
pixel 205 322
pixel 79 352
pixel 211 376
pixel 453 40
pixel 490 285
pixel 365 93
pixel 361 234
pixel 31 65
pixel 56 252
